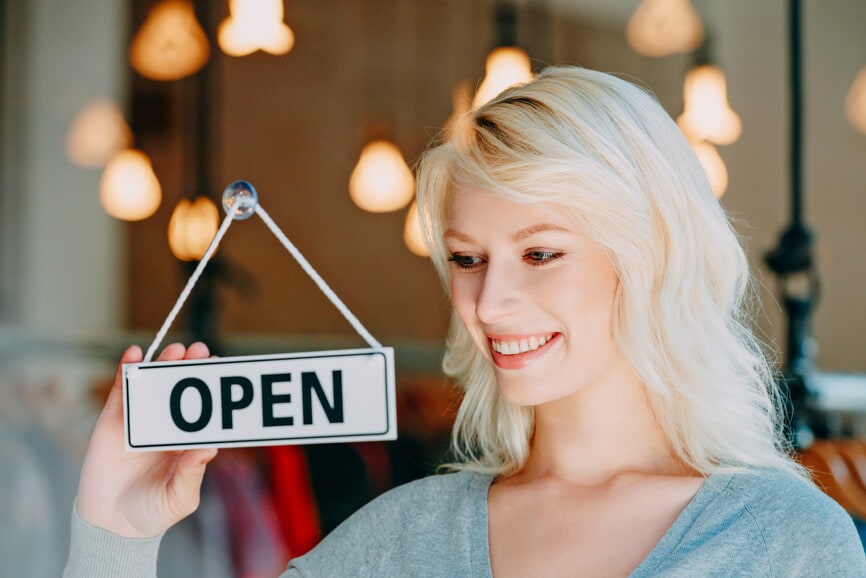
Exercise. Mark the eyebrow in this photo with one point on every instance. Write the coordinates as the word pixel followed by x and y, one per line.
pixel 539 228
pixel 518 236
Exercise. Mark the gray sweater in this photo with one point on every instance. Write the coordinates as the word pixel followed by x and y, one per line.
pixel 762 524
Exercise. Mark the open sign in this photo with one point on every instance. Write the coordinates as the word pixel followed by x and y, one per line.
pixel 296 398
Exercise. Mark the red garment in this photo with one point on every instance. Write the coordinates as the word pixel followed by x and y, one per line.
pixel 293 499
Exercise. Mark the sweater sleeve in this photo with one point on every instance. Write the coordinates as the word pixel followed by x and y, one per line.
pixel 431 527
pixel 98 553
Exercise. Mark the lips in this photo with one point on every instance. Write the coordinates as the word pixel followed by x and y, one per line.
pixel 517 351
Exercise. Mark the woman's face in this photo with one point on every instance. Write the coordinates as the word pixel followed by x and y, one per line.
pixel 535 294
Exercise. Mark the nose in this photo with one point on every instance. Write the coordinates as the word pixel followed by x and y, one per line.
pixel 498 294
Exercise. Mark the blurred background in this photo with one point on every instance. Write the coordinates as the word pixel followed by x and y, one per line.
pixel 123 121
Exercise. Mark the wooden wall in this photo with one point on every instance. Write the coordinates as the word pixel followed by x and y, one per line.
pixel 294 125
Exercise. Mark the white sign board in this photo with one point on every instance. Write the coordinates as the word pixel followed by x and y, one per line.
pixel 293 398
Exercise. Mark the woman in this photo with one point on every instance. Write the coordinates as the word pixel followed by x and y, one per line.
pixel 619 418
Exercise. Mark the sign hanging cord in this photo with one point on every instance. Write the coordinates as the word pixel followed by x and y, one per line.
pixel 305 265
pixel 188 288
pixel 320 283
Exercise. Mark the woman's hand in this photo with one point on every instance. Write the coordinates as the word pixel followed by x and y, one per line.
pixel 138 494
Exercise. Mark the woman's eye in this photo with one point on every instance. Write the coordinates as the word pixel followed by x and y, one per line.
pixel 540 257
pixel 465 261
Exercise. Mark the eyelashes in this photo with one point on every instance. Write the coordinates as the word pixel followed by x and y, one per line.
pixel 467 262
pixel 541 256
pixel 533 258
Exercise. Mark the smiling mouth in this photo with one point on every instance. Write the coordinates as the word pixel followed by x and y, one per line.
pixel 518 346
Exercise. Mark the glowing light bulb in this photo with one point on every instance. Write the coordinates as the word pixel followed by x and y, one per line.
pixel 663 27
pixel 855 102
pixel 381 181
pixel 170 44
pixel 506 66
pixel 714 167
pixel 707 115
pixel 412 232
pixel 129 189
pixel 461 99
pixel 255 25
pixel 96 134
pixel 192 227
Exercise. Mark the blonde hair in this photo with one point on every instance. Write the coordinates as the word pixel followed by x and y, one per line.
pixel 606 150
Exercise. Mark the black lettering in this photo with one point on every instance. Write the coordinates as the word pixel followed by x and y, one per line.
pixel 229 404
pixel 269 398
pixel 206 404
pixel 310 383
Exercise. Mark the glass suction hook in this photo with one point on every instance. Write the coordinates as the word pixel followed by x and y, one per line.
pixel 240 199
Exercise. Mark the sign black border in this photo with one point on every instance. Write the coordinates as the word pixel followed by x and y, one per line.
pixel 248 359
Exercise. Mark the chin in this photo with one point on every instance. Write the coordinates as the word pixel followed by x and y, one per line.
pixel 523 392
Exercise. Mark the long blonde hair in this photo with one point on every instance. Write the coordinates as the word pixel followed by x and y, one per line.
pixel 606 149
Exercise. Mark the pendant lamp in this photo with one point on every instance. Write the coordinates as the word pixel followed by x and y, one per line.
pixel 507 64
pixel 412 232
pixel 713 165
pixel 381 181
pixel 171 44
pixel 97 133
pixel 707 115
pixel 855 102
pixel 664 27
pixel 192 226
pixel 129 189
pixel 255 25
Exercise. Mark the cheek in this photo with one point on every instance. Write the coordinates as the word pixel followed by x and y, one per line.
pixel 584 298
pixel 461 297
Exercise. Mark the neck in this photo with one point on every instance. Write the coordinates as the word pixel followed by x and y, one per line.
pixel 600 433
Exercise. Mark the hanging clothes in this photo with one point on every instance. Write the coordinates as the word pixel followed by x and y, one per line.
pixel 292 496
pixel 258 550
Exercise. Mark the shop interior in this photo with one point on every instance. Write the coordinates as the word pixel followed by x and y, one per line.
pixel 123 122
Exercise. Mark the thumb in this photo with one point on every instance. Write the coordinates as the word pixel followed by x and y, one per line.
pixel 185 485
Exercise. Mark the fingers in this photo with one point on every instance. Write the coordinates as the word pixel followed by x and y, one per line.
pixel 131 355
pixel 177 351
pixel 197 350
pixel 172 352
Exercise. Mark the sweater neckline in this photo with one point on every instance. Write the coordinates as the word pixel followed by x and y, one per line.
pixel 480 538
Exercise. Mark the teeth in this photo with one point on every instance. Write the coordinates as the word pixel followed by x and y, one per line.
pixel 521 346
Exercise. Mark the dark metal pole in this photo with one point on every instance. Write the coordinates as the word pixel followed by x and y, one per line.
pixel 792 260
pixel 794 15
pixel 203 307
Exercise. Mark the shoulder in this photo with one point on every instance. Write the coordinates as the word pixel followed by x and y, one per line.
pixel 437 518
pixel 439 485
pixel 429 499
pixel 778 501
pixel 785 522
